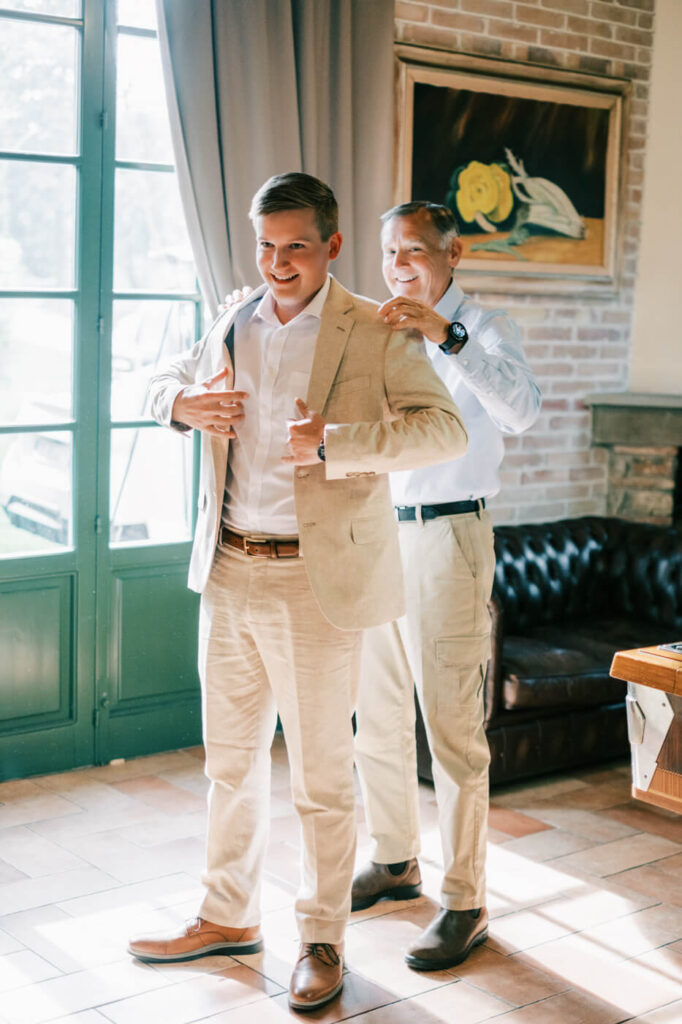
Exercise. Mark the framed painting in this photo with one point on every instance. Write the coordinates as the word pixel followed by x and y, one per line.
pixel 528 159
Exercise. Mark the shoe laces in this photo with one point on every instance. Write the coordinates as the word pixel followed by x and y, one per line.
pixel 323 951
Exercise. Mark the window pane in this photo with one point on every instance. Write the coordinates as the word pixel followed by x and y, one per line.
pixel 38 75
pixel 137 13
pixel 142 131
pixel 146 335
pixel 151 486
pixel 59 8
pixel 37 225
pixel 36 358
pixel 151 246
pixel 35 492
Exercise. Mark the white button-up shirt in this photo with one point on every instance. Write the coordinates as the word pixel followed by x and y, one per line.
pixel 272 363
pixel 491 382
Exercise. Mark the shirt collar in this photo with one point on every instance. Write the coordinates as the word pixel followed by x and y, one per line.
pixel 448 305
pixel 266 307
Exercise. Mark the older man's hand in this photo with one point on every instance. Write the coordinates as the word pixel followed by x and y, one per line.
pixel 234 298
pixel 403 313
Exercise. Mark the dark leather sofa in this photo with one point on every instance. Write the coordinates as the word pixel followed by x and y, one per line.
pixel 566 596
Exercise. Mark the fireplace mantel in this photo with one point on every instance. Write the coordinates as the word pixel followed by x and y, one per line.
pixel 632 418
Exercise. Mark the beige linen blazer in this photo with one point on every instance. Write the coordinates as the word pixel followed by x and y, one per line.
pixel 387 410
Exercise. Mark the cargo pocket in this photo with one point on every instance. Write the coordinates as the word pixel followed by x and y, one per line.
pixel 460 667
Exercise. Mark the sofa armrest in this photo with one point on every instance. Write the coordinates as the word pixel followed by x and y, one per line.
pixel 492 692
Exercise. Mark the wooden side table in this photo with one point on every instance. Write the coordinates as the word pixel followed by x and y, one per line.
pixel 654 710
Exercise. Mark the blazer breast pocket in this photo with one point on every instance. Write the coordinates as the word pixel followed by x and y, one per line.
pixel 349 385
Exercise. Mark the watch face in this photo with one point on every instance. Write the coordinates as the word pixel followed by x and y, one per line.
pixel 459 331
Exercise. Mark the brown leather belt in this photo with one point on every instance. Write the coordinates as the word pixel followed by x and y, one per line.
pixel 258 547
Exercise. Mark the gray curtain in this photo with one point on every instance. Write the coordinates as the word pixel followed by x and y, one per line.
pixel 258 87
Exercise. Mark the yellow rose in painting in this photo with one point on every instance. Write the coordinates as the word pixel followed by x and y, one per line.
pixel 484 194
pixel 505 199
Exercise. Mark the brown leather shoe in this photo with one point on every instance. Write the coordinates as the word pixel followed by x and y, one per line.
pixel 317 977
pixel 375 882
pixel 198 938
pixel 448 939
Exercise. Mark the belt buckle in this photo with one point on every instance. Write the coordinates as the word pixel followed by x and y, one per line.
pixel 256 540
pixel 417 509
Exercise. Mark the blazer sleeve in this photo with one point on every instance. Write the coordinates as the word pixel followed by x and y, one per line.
pixel 190 368
pixel 424 426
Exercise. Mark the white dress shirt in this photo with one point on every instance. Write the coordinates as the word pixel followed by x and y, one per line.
pixel 272 363
pixel 495 390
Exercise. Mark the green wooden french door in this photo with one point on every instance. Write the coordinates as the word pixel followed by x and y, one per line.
pixel 97 288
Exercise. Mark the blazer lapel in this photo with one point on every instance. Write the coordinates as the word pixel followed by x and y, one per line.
pixel 227 326
pixel 219 445
pixel 335 326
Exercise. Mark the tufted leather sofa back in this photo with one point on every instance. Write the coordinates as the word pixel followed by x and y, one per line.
pixel 645 574
pixel 577 569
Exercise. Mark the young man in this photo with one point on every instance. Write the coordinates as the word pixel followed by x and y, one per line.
pixel 442 643
pixel 294 555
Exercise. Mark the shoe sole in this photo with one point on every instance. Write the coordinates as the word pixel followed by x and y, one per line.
pixel 318 1002
pixel 419 964
pixel 217 949
pixel 402 892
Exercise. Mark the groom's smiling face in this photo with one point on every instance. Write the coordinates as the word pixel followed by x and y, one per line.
pixel 292 257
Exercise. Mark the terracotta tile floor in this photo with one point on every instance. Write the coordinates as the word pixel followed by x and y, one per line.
pixel 585 897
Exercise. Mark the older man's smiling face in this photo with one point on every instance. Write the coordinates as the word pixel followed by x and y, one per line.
pixel 414 262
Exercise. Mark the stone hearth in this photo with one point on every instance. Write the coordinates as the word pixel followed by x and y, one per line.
pixel 643 434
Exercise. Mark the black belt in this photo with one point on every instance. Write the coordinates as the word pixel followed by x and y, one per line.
pixel 409 513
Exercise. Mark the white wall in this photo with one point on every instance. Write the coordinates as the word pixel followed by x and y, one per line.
pixel 656 360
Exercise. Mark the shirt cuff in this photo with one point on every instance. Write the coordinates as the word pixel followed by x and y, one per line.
pixel 166 417
pixel 470 359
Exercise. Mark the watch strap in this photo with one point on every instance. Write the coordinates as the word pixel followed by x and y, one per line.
pixel 457 335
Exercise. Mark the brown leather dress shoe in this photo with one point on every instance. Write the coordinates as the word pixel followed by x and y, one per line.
pixel 375 882
pixel 317 977
pixel 198 938
pixel 448 939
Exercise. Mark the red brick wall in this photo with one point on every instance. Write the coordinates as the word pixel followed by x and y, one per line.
pixel 581 345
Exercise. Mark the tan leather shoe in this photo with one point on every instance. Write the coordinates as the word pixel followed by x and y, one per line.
pixel 198 938
pixel 448 939
pixel 317 977
pixel 375 882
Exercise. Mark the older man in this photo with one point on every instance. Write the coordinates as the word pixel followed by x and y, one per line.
pixel 442 642
pixel 295 553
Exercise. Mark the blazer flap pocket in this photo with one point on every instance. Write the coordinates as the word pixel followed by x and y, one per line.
pixel 369 529
pixel 345 387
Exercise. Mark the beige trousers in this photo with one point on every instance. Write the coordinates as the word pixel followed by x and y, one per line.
pixel 442 644
pixel 264 646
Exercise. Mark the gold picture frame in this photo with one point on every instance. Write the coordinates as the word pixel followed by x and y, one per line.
pixel 530 161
